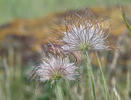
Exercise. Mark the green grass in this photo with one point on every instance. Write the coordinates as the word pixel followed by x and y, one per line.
pixel 12 9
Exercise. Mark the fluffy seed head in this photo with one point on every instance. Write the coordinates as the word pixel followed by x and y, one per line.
pixel 55 68
pixel 87 36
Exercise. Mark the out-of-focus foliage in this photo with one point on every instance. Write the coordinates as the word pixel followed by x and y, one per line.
pixel 12 9
pixel 31 34
pixel 41 27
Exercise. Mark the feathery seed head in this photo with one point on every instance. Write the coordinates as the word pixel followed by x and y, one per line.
pixel 85 36
pixel 56 68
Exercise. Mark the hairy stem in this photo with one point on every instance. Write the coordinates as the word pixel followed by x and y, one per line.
pixel 91 76
pixel 59 91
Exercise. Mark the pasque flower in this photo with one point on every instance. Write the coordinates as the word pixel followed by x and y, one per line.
pixel 85 36
pixel 54 68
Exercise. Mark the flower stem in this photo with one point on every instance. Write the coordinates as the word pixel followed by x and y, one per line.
pixel 59 91
pixel 91 76
pixel 103 78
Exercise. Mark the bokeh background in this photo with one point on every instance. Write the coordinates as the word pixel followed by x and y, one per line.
pixel 12 9
pixel 18 54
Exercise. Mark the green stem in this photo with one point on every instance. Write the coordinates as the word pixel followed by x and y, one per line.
pixel 91 76
pixel 103 78
pixel 125 18
pixel 59 91
pixel 126 22
pixel 68 88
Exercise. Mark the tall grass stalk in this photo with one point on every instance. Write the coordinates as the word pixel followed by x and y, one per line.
pixel 91 76
pixel 116 93
pixel 128 86
pixel 125 18
pixel 126 22
pixel 59 91
pixel 11 54
pixel 7 80
pixel 103 78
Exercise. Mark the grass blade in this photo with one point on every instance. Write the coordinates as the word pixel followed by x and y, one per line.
pixel 103 78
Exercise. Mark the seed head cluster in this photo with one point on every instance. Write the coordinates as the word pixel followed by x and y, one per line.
pixel 83 37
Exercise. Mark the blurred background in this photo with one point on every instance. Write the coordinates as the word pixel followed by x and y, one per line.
pixel 13 9
pixel 25 26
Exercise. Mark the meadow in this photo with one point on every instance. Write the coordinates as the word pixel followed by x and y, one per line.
pixel 111 69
